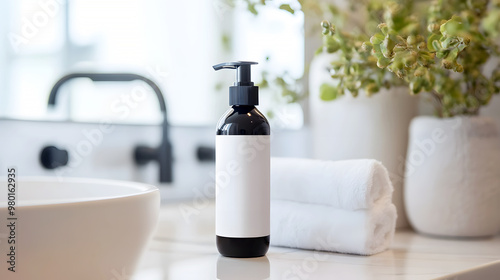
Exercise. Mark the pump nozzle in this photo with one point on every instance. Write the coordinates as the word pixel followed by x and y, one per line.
pixel 243 92
pixel 243 76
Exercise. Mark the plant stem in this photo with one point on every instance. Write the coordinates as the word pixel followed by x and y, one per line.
pixel 438 101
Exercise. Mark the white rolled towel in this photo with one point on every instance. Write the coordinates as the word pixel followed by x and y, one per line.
pixel 324 228
pixel 348 184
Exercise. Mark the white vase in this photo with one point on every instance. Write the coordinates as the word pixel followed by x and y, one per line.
pixel 452 176
pixel 363 127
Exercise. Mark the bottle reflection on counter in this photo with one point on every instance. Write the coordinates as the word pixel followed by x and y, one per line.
pixel 243 269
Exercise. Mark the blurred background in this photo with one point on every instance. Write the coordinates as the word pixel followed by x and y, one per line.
pixel 172 42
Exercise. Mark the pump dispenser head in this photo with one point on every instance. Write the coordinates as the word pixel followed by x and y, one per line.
pixel 243 92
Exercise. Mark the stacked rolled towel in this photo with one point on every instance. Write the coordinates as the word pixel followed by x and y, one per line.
pixel 338 206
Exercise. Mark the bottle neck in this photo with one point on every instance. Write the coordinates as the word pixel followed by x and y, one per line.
pixel 243 108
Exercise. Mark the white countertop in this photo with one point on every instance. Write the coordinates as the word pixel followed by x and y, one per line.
pixel 184 248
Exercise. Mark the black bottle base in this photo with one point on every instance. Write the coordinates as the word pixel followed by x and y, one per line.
pixel 247 247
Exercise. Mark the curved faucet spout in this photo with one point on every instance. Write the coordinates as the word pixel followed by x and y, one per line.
pixel 142 154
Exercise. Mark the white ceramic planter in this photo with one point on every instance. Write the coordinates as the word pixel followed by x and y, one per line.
pixel 363 127
pixel 452 176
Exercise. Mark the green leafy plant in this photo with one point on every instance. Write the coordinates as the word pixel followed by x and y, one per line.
pixel 354 68
pixel 350 69
pixel 441 51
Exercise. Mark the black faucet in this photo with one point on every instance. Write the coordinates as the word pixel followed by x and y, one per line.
pixel 142 154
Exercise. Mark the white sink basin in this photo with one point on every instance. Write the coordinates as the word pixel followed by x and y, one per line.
pixel 76 228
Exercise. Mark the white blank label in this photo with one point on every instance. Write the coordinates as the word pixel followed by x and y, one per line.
pixel 242 185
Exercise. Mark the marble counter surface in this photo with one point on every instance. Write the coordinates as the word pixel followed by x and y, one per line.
pixel 183 248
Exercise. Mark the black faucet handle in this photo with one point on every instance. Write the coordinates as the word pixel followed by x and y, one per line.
pixel 145 154
pixel 162 154
pixel 52 157
pixel 204 153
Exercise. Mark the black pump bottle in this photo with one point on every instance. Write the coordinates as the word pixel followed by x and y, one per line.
pixel 242 170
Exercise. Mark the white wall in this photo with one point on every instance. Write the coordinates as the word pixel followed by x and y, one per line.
pixel 3 60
